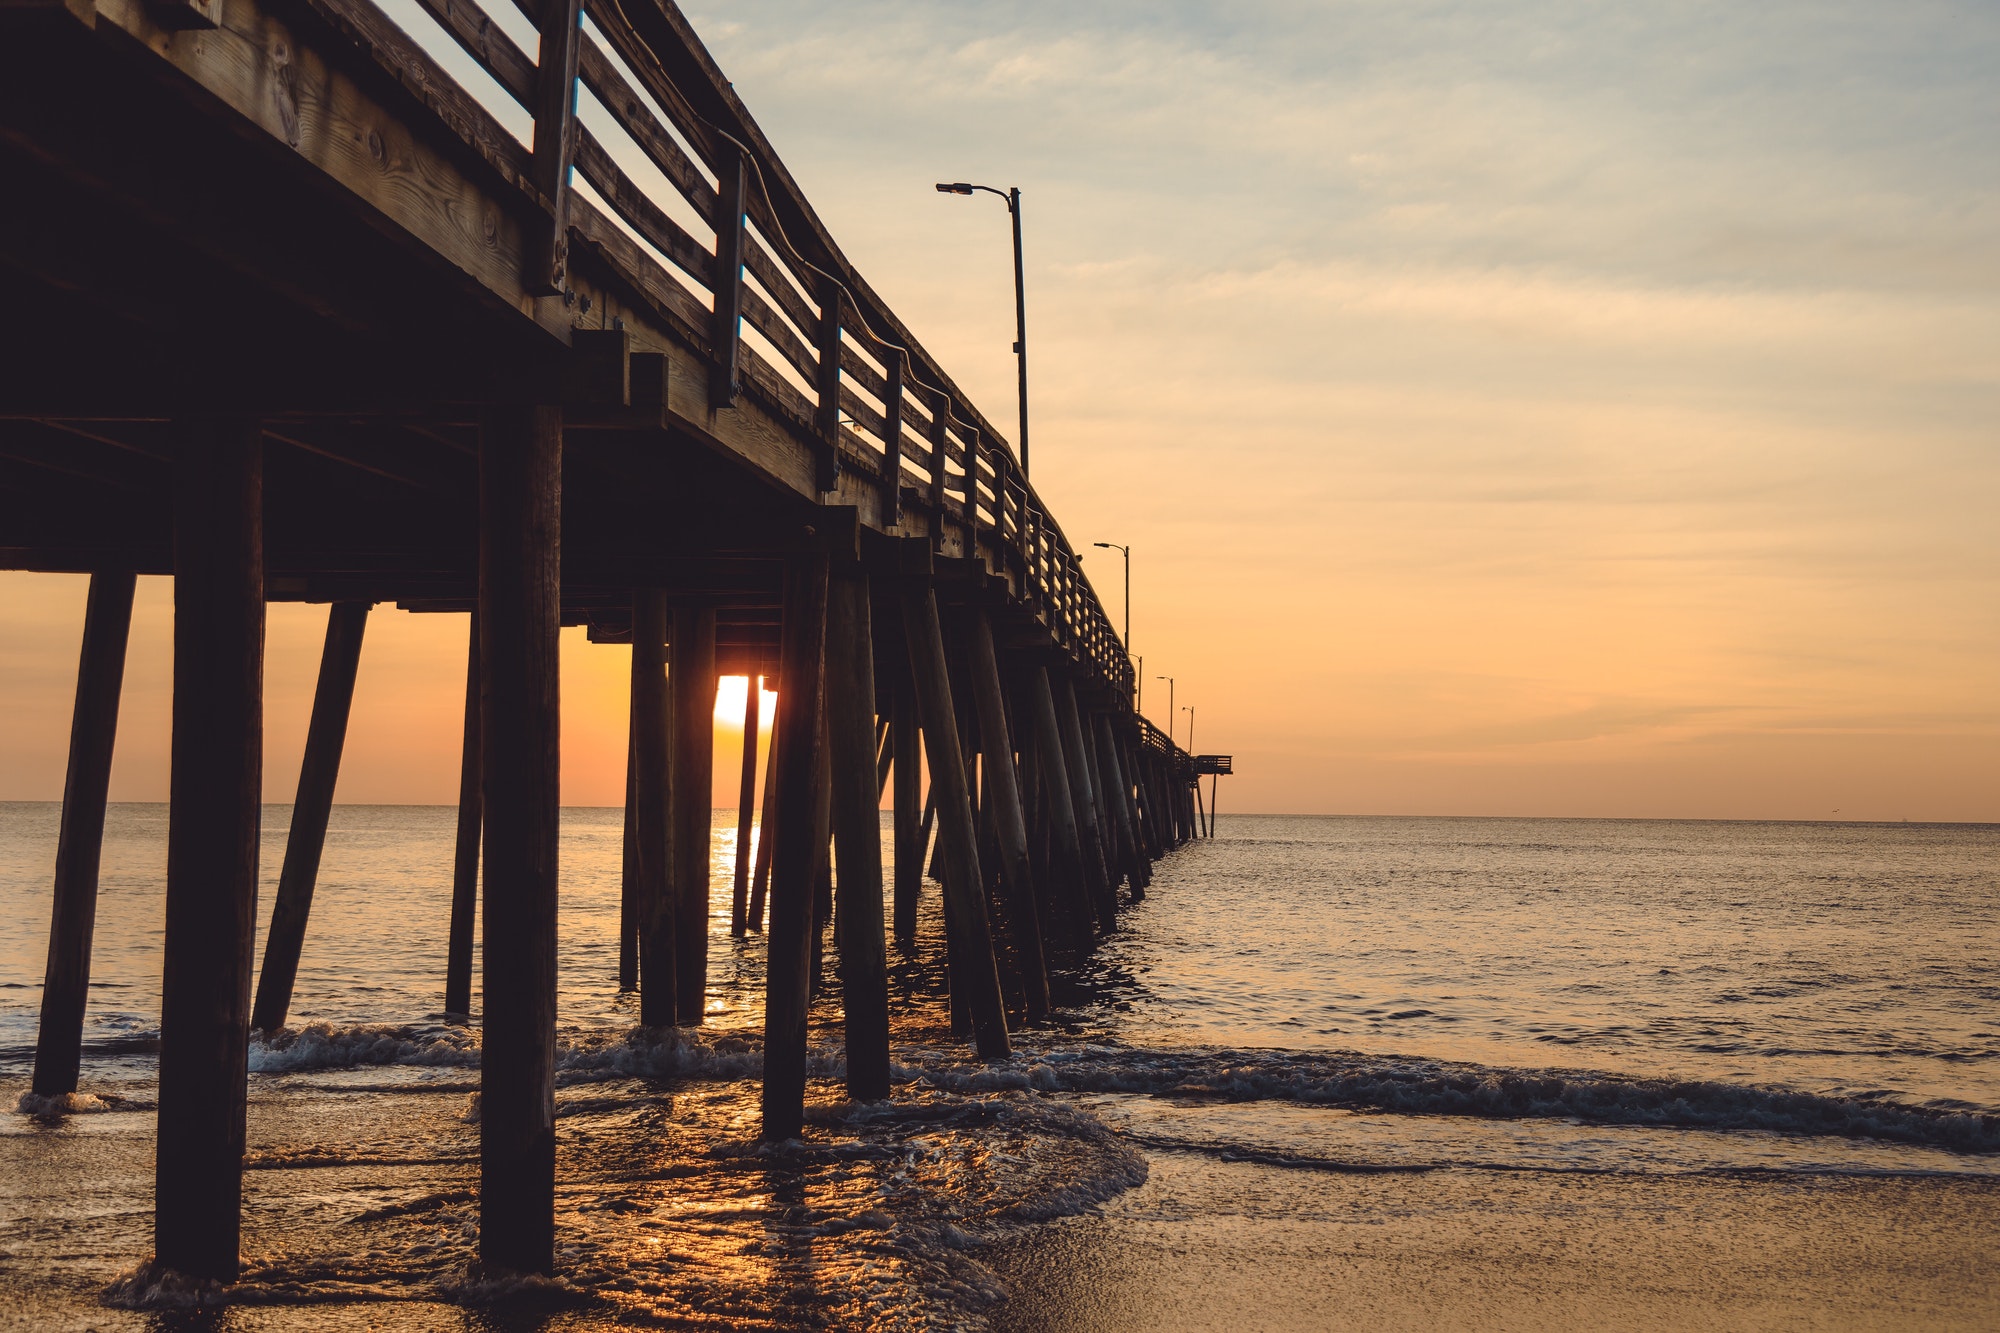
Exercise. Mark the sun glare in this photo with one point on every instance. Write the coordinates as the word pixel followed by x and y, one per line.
pixel 729 694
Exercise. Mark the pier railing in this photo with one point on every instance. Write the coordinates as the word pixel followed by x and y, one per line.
pixel 727 253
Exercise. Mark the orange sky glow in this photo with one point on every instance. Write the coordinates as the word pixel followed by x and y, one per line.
pixel 1564 410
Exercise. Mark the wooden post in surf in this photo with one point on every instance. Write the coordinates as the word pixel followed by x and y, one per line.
pixel 972 939
pixel 760 882
pixel 628 863
pixel 857 833
pixel 653 834
pixel 107 626
pixel 1076 759
pixel 465 853
pixel 1003 795
pixel 212 835
pixel 326 736
pixel 520 610
pixel 1072 886
pixel 796 738
pixel 746 798
pixel 1117 799
pixel 909 825
pixel 692 682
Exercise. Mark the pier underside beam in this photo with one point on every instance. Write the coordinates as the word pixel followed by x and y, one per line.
pixel 1002 792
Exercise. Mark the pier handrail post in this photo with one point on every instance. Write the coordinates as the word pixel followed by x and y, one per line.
pixel 107 627
pixel 554 138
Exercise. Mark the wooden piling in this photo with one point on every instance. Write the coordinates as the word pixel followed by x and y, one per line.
pixel 972 939
pixel 465 853
pixel 628 863
pixel 857 824
pixel 212 835
pixel 653 831
pixel 1009 824
pixel 1076 759
pixel 693 685
pixel 1072 883
pixel 326 736
pixel 520 517
pixel 797 738
pixel 1117 798
pixel 746 797
pixel 909 823
pixel 760 881
pixel 107 625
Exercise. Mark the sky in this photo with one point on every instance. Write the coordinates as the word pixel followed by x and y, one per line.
pixel 1514 409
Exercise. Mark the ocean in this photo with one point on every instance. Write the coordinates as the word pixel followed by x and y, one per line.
pixel 1332 1072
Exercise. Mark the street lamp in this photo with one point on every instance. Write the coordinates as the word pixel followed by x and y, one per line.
pixel 1189 710
pixel 1172 718
pixel 1125 551
pixel 1013 199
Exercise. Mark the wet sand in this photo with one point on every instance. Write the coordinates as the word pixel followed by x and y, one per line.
pixel 1209 1244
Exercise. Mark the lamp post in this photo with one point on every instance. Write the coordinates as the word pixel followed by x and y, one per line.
pixel 1013 199
pixel 1189 710
pixel 1125 551
pixel 1172 717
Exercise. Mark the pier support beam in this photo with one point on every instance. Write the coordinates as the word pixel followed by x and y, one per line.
pixel 746 809
pixel 326 736
pixel 692 682
pixel 107 625
pixel 1118 797
pixel 974 967
pixel 520 519
pixel 465 857
pixel 628 861
pixel 857 824
pixel 1076 758
pixel 652 833
pixel 1072 886
pixel 911 828
pixel 795 860
pixel 212 835
pixel 760 880
pixel 1003 794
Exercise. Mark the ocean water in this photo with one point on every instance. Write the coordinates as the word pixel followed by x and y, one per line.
pixel 1303 1014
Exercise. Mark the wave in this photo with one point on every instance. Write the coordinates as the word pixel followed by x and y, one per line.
pixel 1426 1087
pixel 1395 1084
pixel 55 1106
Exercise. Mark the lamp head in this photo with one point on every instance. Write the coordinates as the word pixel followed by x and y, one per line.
pixel 956 187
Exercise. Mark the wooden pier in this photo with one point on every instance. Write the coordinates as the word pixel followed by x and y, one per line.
pixel 298 317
